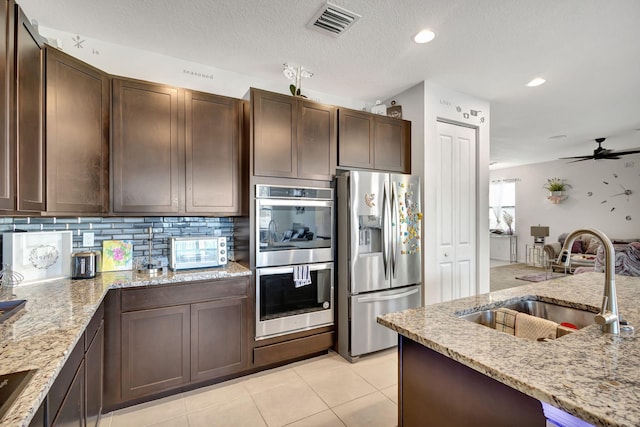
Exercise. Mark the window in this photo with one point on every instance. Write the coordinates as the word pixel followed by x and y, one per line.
pixel 502 205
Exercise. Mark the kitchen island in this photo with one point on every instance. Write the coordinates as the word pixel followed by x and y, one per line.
pixel 56 314
pixel 588 374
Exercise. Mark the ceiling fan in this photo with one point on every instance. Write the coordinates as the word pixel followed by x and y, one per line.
pixel 603 153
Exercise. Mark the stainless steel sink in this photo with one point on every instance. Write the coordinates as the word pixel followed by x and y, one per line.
pixel 557 313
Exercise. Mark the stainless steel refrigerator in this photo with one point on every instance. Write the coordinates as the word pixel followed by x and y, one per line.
pixel 379 256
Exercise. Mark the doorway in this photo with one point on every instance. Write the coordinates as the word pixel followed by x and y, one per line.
pixel 456 231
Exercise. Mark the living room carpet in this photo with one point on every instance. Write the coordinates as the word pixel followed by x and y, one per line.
pixel 539 277
pixel 504 277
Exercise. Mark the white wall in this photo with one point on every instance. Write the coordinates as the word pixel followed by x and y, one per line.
pixel 424 104
pixel 579 209
pixel 139 64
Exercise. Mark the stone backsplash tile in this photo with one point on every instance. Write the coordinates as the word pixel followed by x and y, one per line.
pixel 129 228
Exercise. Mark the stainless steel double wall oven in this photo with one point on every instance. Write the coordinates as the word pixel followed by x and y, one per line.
pixel 294 259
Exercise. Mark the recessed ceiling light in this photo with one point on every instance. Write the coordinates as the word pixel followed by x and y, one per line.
pixel 536 82
pixel 424 36
pixel 562 136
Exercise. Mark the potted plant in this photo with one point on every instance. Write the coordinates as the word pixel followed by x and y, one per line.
pixel 508 219
pixel 556 186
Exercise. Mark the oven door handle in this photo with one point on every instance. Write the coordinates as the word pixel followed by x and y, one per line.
pixel 294 202
pixel 285 270
pixel 388 297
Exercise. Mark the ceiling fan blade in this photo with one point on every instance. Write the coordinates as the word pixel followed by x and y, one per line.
pixel 625 152
pixel 578 157
pixel 579 160
pixel 602 154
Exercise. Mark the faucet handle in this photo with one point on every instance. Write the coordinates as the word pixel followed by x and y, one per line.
pixel 605 317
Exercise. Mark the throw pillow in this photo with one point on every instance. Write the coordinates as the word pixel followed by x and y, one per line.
pixel 562 238
pixel 576 248
pixel 594 244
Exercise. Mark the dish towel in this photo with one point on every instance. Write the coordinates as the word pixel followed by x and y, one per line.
pixel 506 320
pixel 534 328
pixel 301 276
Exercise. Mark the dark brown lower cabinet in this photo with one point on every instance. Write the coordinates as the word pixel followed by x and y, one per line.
pixel 170 337
pixel 437 391
pixel 278 350
pixel 215 328
pixel 94 362
pixel 71 411
pixel 155 350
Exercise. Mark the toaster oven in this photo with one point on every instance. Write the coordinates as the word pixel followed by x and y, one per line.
pixel 197 252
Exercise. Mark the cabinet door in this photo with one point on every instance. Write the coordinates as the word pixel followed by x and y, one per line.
pixel 316 141
pixel 77 135
pixel 146 147
pixel 71 411
pixel 391 142
pixel 93 380
pixel 219 338
pixel 274 134
pixel 355 133
pixel 155 350
pixel 212 132
pixel 7 141
pixel 29 110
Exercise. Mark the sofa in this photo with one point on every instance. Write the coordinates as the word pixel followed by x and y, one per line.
pixel 588 255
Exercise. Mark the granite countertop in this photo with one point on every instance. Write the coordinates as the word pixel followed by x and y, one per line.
pixel 44 332
pixel 589 374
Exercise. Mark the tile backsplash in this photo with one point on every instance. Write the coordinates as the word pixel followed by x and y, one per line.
pixel 129 228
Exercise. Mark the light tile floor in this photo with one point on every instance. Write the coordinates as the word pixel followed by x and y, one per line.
pixel 323 391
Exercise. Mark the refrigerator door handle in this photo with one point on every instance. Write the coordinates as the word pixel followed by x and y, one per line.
pixel 385 231
pixel 389 297
pixel 395 231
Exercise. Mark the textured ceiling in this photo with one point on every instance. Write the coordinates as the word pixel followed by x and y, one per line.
pixel 587 50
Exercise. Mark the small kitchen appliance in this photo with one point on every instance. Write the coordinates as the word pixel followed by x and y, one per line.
pixel 197 252
pixel 85 265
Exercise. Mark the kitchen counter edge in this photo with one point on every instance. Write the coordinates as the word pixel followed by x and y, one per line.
pixel 588 374
pixel 45 332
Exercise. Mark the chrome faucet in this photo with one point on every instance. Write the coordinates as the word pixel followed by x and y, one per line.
pixel 608 317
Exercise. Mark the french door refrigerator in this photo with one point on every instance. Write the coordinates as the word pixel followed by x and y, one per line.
pixel 379 256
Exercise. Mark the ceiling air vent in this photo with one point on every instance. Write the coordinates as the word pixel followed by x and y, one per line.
pixel 333 20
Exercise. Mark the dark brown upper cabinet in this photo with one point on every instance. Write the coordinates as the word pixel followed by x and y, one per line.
pixel 22 149
pixel 292 137
pixel 7 138
pixel 213 128
pixel 77 136
pixel 146 147
pixel 175 150
pixel 371 141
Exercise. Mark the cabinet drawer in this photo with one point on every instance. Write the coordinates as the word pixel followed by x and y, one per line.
pixel 93 326
pixel 167 295
pixel 287 350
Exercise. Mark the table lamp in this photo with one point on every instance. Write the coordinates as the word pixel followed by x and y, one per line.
pixel 539 233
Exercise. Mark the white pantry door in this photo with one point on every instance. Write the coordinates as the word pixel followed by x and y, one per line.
pixel 456 207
